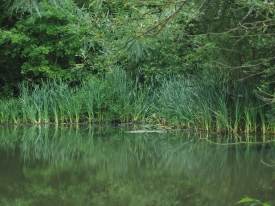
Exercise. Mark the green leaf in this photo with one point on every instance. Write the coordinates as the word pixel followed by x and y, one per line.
pixel 246 200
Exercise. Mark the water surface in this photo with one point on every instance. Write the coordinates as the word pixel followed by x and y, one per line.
pixel 107 166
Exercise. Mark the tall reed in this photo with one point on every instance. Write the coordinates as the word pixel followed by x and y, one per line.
pixel 182 102
pixel 200 105
pixel 112 98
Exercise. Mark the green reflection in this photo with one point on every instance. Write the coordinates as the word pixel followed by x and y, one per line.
pixel 107 166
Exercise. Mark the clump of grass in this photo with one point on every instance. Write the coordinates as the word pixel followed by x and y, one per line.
pixel 175 101
pixel 112 98
pixel 199 105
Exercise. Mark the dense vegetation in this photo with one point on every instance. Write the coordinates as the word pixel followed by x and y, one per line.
pixel 203 64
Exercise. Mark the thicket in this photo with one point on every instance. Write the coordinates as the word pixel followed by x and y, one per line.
pixel 206 63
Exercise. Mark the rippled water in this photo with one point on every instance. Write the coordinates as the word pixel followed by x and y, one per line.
pixel 107 166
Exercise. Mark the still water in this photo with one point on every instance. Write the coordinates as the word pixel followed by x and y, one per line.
pixel 105 166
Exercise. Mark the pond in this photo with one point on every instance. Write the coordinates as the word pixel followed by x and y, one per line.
pixel 106 166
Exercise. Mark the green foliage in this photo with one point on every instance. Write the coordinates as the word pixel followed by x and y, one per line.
pixel 252 202
pixel 235 38
pixel 52 44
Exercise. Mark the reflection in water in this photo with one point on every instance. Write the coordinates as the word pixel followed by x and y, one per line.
pixel 106 166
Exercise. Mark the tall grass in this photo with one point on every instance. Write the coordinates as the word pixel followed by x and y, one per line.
pixel 188 103
pixel 200 105
pixel 113 98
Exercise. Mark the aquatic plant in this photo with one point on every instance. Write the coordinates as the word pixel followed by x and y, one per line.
pixel 113 98
pixel 181 102
pixel 193 104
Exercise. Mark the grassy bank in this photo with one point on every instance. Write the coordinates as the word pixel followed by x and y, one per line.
pixel 117 98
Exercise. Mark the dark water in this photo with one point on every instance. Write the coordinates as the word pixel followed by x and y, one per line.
pixel 109 167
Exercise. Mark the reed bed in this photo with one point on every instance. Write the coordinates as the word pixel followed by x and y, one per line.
pixel 113 98
pixel 177 102
pixel 202 106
